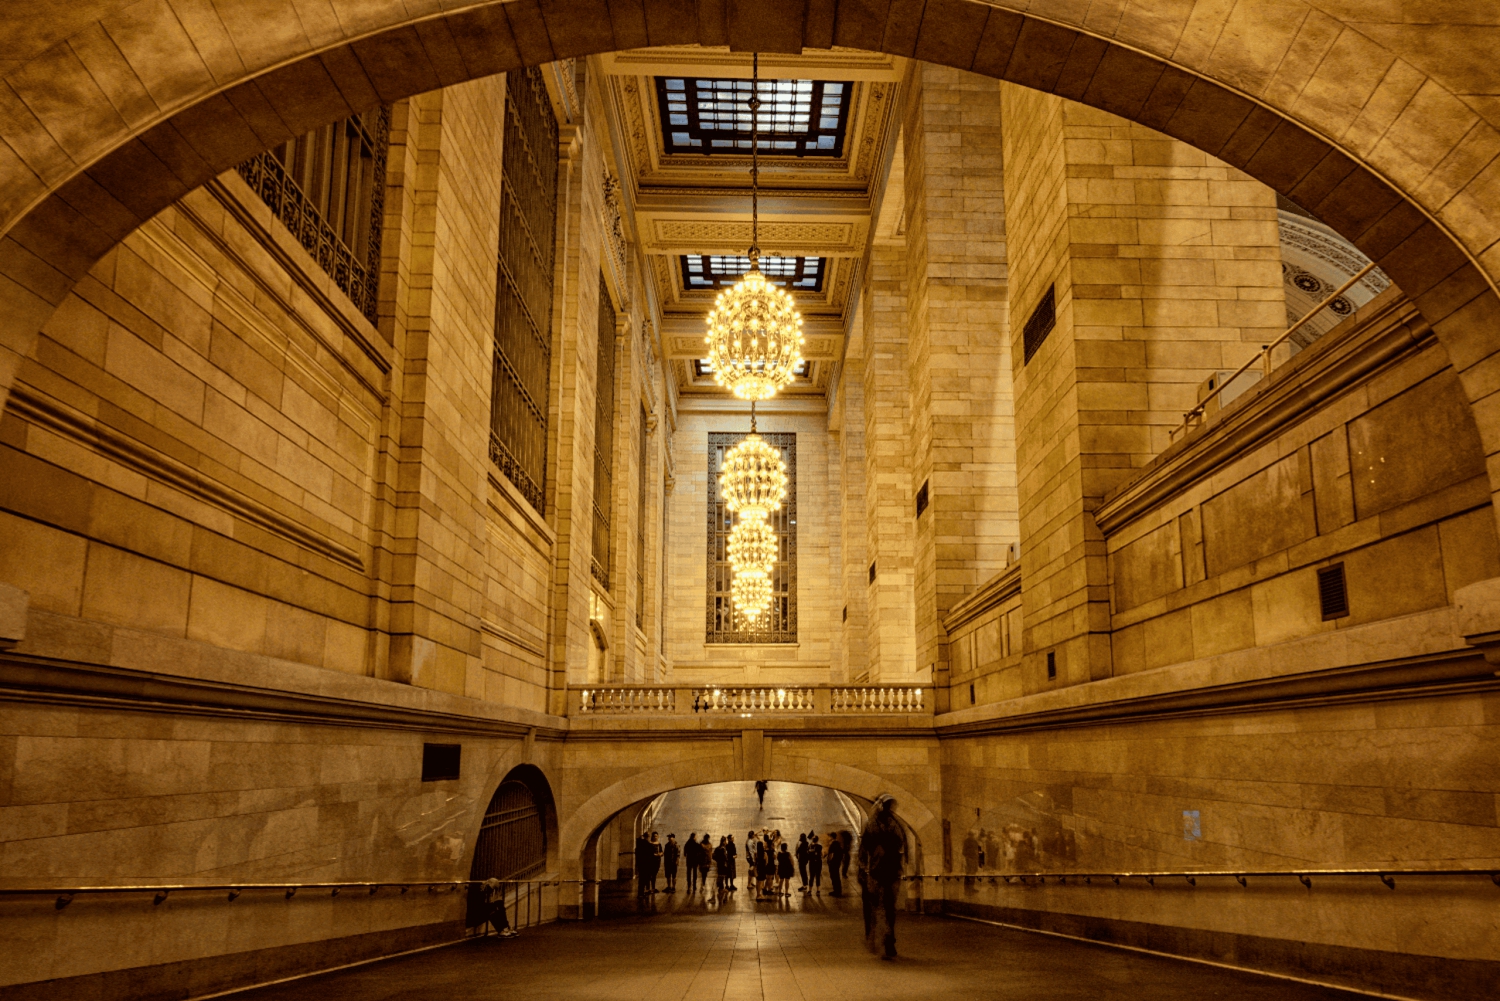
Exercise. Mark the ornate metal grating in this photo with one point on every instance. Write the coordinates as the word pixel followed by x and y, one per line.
pixel 796 117
pixel 328 189
pixel 523 288
pixel 780 624
pixel 604 437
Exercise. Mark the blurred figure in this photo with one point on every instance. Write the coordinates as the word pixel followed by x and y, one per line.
pixel 644 854
pixel 802 861
pixel 815 865
pixel 760 791
pixel 721 864
pixel 670 852
pixel 835 864
pixel 732 854
pixel 784 871
pixel 691 850
pixel 705 856
pixel 653 861
pixel 882 851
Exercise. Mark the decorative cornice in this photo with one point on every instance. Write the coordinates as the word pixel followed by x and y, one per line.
pixel 1385 330
pixel 87 432
pixel 988 596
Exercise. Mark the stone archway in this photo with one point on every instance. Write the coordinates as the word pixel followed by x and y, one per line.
pixel 117 109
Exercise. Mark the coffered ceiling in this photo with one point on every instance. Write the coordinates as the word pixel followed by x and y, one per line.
pixel 696 203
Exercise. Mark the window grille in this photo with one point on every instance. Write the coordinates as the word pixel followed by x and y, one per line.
pixel 512 837
pixel 796 117
pixel 604 437
pixel 779 624
pixel 640 532
pixel 714 271
pixel 523 287
pixel 328 190
pixel 702 368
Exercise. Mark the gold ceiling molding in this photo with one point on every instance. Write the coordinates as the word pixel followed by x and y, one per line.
pixel 666 272
pixel 700 60
pixel 681 236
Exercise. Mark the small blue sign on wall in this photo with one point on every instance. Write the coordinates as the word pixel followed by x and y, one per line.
pixel 1192 828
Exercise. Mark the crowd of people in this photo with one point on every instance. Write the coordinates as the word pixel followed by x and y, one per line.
pixel 769 862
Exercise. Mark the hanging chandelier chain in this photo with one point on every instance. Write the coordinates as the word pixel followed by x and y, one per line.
pixel 755 160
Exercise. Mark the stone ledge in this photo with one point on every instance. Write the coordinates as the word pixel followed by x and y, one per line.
pixel 13 605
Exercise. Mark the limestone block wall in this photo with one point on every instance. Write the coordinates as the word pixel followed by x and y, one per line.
pixel 1386 480
pixel 962 409
pixel 819 591
pixel 1163 263
pixel 1404 783
pixel 984 643
pixel 847 445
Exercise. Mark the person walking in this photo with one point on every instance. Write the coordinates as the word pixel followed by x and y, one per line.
pixel 802 862
pixel 847 837
pixel 690 850
pixel 784 871
pixel 705 856
pixel 815 866
pixel 670 853
pixel 760 791
pixel 882 851
pixel 835 863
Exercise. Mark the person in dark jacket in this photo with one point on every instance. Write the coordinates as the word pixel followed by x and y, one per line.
pixel 721 865
pixel 655 860
pixel 815 865
pixel 670 853
pixel 882 851
pixel 785 870
pixel 802 862
pixel 760 791
pixel 690 849
pixel 732 854
pixel 705 856
pixel 836 863
pixel 644 856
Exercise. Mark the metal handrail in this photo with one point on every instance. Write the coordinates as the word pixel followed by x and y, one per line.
pixel 1305 876
pixel 1265 353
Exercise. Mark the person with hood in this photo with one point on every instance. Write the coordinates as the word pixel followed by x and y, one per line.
pixel 882 851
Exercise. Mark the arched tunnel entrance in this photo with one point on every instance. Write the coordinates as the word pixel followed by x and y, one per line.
pixel 736 817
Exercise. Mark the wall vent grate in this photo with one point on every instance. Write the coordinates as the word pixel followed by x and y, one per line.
pixel 1333 592
pixel 922 499
pixel 1043 318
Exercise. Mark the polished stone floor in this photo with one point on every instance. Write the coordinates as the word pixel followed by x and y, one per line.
pixel 743 951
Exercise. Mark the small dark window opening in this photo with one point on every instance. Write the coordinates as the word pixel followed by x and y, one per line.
pixel 971 695
pixel 922 498
pixel 1040 324
pixel 872 572
pixel 1051 666
pixel 846 613
pixel 440 762
pixel 1333 594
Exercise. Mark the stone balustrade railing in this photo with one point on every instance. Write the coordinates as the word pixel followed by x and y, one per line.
pixel 782 700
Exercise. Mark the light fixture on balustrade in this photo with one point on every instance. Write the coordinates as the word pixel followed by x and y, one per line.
pixel 754 330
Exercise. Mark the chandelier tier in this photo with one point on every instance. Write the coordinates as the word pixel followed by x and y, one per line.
pixel 753 478
pixel 751 593
pixel 752 547
pixel 754 330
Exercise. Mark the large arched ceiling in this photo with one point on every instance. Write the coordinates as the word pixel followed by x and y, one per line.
pixel 1378 123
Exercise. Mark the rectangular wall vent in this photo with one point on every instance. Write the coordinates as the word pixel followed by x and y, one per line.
pixel 1051 666
pixel 440 762
pixel 846 613
pixel 922 499
pixel 1043 318
pixel 971 695
pixel 1333 594
pixel 872 572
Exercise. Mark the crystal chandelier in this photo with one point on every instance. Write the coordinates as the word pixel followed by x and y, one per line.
pixel 753 480
pixel 752 547
pixel 751 593
pixel 754 330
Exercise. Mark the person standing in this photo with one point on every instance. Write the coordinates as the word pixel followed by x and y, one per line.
pixel 655 860
pixel 705 856
pixel 848 839
pixel 784 871
pixel 815 865
pixel 690 849
pixel 732 855
pixel 721 864
pixel 835 863
pixel 760 791
pixel 802 862
pixel 670 852
pixel 644 854
pixel 882 851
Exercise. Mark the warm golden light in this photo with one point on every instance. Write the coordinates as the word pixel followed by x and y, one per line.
pixel 754 338
pixel 752 546
pixel 751 593
pixel 753 479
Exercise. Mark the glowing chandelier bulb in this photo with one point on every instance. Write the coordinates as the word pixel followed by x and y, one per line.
pixel 753 479
pixel 754 337
pixel 752 547
pixel 751 593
